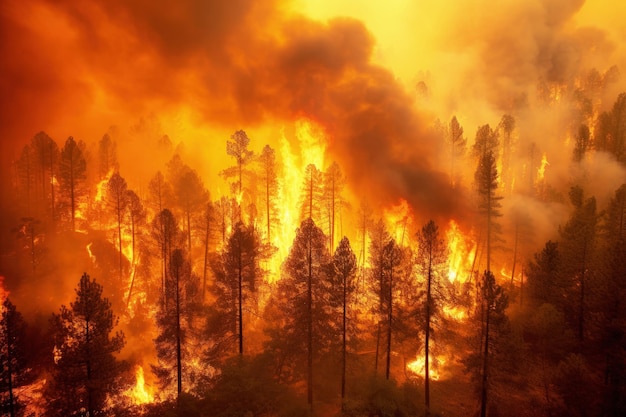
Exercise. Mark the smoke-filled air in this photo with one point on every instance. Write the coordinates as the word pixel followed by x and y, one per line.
pixel 291 208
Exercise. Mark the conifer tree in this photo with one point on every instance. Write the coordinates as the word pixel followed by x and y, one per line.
pixel 85 370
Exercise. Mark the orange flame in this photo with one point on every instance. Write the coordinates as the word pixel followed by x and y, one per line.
pixel 435 363
pixel 140 393
pixel 541 172
pixel 461 254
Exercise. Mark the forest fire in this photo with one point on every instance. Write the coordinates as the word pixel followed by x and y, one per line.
pixel 461 254
pixel 281 209
pixel 140 393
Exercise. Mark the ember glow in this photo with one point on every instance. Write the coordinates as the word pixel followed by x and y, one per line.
pixel 229 125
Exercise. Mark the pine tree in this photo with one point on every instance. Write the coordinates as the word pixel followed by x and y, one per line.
pixel 174 317
pixel 86 371
pixel 304 330
pixel 458 146
pixel 191 196
pixel 72 170
pixel 489 202
pixel 431 260
pixel 578 245
pixel 269 182
pixel 117 199
pixel 237 274
pixel 333 201
pixel 343 274
pixel 13 348
pixel 237 147
pixel 107 156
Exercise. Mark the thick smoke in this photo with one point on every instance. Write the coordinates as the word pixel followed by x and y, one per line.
pixel 76 68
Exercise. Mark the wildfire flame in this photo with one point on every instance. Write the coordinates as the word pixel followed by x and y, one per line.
pixel 140 393
pixel 435 366
pixel 461 251
pixel 541 172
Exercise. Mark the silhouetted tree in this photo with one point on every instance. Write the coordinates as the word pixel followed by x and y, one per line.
pixel 190 195
pixel 46 153
pixel 269 181
pixel 237 147
pixel 343 275
pixel 494 323
pixel 312 194
pixel 582 143
pixel 165 234
pixel 545 278
pixel 117 199
pixel 208 225
pixel 85 370
pixel 305 329
pixel 160 193
pixel 577 245
pixel 431 261
pixel 489 202
pixel 457 144
pixel 506 128
pixel 486 141
pixel 173 320
pixel 13 363
pixel 107 156
pixel 72 170
pixel 610 132
pixel 237 276
pixel 137 215
pixel 333 201
pixel 26 178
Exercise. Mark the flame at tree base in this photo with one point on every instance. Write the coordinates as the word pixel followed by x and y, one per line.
pixel 140 393
pixel 435 367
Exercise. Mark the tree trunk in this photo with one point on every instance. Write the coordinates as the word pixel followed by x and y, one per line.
pixel 343 353
pixel 179 366
pixel 240 296
pixel 389 318
pixel 427 336
pixel 310 326
pixel 483 400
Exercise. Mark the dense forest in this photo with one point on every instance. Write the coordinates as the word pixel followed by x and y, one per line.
pixel 332 242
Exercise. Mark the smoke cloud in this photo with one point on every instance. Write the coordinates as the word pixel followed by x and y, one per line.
pixel 76 69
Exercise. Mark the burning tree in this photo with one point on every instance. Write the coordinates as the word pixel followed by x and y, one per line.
pixel 85 370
